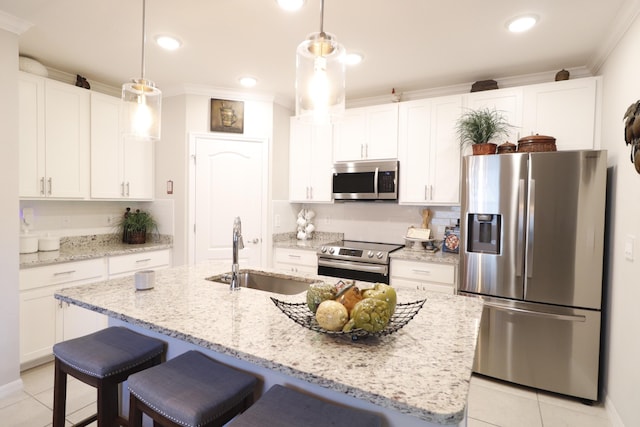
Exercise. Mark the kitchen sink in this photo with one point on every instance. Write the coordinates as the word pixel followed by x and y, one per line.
pixel 270 282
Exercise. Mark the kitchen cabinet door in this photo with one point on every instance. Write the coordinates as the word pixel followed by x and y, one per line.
pixel 507 101
pixel 120 168
pixel 295 260
pixel 567 110
pixel 310 162
pixel 425 276
pixel 38 312
pixel 45 320
pixel 31 136
pixel 127 265
pixel 367 133
pixel 54 139
pixel 429 151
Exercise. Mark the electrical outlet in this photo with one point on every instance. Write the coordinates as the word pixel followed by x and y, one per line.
pixel 327 220
pixel 276 220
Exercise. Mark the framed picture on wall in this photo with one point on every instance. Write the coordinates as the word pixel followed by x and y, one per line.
pixel 227 116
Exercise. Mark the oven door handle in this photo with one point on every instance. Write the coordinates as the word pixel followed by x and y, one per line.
pixel 357 266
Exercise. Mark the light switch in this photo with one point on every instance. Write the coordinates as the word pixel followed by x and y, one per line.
pixel 629 242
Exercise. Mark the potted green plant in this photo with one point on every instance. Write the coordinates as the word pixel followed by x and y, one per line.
pixel 135 226
pixel 479 127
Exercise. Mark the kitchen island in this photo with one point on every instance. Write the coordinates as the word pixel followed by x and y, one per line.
pixel 418 376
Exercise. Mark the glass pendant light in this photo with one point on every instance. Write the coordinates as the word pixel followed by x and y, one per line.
pixel 141 102
pixel 320 77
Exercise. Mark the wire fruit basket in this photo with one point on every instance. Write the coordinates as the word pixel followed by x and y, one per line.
pixel 300 313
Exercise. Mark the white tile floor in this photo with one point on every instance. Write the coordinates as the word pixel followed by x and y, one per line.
pixel 491 403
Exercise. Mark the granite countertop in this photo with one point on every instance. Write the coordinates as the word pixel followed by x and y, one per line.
pixel 80 248
pixel 423 370
pixel 423 255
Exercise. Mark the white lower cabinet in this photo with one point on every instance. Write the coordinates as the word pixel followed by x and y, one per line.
pixel 45 320
pixel 127 265
pixel 296 260
pixel 425 276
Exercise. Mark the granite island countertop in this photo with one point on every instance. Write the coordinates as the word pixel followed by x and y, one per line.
pixel 78 248
pixel 422 371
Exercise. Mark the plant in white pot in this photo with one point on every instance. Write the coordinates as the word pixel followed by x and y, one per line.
pixel 480 127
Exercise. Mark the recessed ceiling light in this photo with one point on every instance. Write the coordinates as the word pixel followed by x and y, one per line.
pixel 522 23
pixel 353 58
pixel 290 5
pixel 248 81
pixel 168 42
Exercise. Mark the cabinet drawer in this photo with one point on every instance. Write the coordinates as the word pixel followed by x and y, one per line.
pixel 75 273
pixel 138 261
pixel 423 271
pixel 294 256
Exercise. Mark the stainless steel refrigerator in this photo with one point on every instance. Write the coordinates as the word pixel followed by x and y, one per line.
pixel 532 234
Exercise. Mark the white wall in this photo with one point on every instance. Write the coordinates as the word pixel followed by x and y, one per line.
pixel 372 221
pixel 190 113
pixel 9 318
pixel 621 78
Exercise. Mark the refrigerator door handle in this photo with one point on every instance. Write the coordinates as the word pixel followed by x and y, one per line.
pixel 530 234
pixel 554 316
pixel 520 238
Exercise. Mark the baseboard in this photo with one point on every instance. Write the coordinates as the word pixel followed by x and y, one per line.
pixel 11 388
pixel 615 419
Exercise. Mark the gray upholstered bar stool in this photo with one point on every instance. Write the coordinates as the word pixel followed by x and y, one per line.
pixel 189 390
pixel 283 407
pixel 103 360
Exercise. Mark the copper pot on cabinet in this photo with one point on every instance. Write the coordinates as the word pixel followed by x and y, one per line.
pixel 536 143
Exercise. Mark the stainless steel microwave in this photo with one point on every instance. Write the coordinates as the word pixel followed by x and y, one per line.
pixel 366 180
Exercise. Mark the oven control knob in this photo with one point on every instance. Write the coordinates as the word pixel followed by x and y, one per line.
pixel 370 254
pixel 323 249
pixel 379 255
pixel 332 250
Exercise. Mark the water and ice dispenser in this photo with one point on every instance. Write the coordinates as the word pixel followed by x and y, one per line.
pixel 484 233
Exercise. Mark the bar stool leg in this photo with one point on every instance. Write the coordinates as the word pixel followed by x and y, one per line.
pixel 108 403
pixel 60 395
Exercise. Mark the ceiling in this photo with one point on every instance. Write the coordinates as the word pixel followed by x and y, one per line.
pixel 407 44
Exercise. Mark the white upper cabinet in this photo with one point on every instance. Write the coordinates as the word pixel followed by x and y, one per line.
pixel 429 151
pixel 367 133
pixel 120 169
pixel 310 162
pixel 54 139
pixel 506 101
pixel 566 110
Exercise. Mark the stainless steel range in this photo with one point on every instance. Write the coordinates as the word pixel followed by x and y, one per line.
pixel 351 259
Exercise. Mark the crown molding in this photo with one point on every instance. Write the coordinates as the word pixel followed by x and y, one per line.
pixel 626 16
pixel 503 82
pixel 13 24
pixel 204 90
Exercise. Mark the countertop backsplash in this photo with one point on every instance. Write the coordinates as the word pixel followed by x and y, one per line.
pixel 368 221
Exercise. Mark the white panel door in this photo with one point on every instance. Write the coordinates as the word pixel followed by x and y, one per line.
pixel 229 182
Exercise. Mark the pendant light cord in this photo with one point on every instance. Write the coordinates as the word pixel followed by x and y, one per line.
pixel 144 36
pixel 321 16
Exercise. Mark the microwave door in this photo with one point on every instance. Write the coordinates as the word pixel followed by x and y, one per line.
pixel 355 185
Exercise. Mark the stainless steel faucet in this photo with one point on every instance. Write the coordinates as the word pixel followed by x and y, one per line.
pixel 237 244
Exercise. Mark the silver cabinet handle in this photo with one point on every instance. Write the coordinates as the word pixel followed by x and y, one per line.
pixel 427 272
pixel 42 186
pixel 62 273
pixel 128 188
pixel 122 189
pixel 310 193
pixel 255 241
pixel 50 185
pixel 293 256
pixel 143 260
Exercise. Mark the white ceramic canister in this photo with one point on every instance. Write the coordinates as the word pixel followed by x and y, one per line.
pixel 48 243
pixel 28 244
